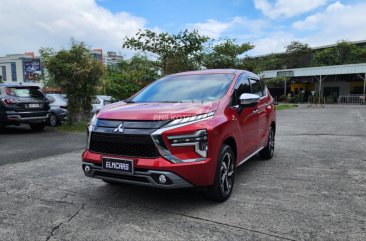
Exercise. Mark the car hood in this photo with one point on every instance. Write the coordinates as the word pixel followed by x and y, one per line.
pixel 154 111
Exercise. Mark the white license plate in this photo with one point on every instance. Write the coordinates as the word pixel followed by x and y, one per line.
pixel 121 165
pixel 34 105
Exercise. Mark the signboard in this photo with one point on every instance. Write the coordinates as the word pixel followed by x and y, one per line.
pixel 287 73
pixel 32 69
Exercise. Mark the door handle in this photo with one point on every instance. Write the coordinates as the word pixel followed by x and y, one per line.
pixel 255 111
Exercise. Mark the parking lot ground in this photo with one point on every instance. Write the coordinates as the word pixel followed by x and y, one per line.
pixel 313 189
pixel 20 143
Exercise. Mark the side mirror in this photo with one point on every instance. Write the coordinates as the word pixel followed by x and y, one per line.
pixel 247 100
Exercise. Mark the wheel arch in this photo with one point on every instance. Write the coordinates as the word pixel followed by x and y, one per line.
pixel 273 125
pixel 230 141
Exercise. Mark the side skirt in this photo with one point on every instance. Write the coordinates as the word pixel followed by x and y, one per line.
pixel 251 155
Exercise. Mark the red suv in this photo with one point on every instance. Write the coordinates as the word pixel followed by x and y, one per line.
pixel 189 129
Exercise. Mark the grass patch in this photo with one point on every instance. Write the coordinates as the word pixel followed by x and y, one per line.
pixel 77 127
pixel 285 106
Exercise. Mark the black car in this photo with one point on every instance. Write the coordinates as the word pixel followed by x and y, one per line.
pixel 21 104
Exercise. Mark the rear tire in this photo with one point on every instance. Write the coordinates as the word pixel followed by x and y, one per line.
pixel 37 126
pixel 223 185
pixel 53 120
pixel 267 152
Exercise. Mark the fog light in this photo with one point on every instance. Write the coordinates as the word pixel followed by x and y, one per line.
pixel 87 169
pixel 162 179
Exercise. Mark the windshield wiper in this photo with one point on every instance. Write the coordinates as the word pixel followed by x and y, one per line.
pixel 171 101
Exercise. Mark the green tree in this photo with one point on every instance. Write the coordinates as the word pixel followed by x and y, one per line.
pixel 129 76
pixel 297 55
pixel 77 73
pixel 260 64
pixel 343 53
pixel 225 54
pixel 174 52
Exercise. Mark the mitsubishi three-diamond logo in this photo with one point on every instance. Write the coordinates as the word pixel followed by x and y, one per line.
pixel 119 128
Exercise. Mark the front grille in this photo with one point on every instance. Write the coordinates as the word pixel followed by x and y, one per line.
pixel 123 145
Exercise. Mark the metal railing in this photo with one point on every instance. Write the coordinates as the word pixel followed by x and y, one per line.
pixel 352 99
pixel 315 101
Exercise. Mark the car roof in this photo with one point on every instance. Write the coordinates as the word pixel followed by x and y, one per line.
pixel 217 71
pixel 17 85
pixel 104 97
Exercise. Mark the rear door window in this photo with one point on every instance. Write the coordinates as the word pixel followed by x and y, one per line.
pixel 24 92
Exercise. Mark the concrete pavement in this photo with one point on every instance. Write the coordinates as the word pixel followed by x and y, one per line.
pixel 313 189
pixel 20 143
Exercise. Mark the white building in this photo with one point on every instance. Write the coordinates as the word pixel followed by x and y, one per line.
pixel 19 68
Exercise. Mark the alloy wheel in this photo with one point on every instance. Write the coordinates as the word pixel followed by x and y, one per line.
pixel 53 120
pixel 271 141
pixel 226 173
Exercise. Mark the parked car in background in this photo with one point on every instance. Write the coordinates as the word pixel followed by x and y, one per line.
pixel 21 104
pixel 58 110
pixel 190 129
pixel 100 101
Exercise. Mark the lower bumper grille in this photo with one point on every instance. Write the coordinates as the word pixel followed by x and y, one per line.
pixel 122 177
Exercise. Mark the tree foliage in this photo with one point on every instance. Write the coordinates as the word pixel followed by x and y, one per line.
pixel 78 75
pixel 174 52
pixel 129 76
pixel 225 54
pixel 343 53
pixel 259 64
pixel 297 54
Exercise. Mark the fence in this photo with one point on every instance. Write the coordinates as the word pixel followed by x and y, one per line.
pixel 352 99
pixel 316 100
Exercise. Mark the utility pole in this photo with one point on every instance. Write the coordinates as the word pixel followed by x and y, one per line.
pixel 285 90
pixel 364 85
pixel 320 86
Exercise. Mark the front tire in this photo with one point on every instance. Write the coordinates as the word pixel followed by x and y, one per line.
pixel 37 126
pixel 223 185
pixel 267 152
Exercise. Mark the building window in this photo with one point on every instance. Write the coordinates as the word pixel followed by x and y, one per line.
pixel 13 68
pixel 3 73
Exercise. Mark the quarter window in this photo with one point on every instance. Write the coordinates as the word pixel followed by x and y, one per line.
pixel 256 87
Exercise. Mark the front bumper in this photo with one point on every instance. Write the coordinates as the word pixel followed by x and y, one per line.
pixel 140 177
pixel 181 175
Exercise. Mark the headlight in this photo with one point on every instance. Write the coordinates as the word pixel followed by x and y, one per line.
pixel 92 122
pixel 91 125
pixel 197 139
pixel 190 119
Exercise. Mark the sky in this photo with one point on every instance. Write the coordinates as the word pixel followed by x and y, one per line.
pixel 268 24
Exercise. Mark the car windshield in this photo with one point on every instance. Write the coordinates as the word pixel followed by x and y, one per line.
pixel 186 88
pixel 24 92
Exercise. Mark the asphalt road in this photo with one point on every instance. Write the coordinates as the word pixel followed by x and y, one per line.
pixel 313 189
pixel 20 143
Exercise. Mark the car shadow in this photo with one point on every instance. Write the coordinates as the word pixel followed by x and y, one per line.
pixel 177 198
pixel 21 129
